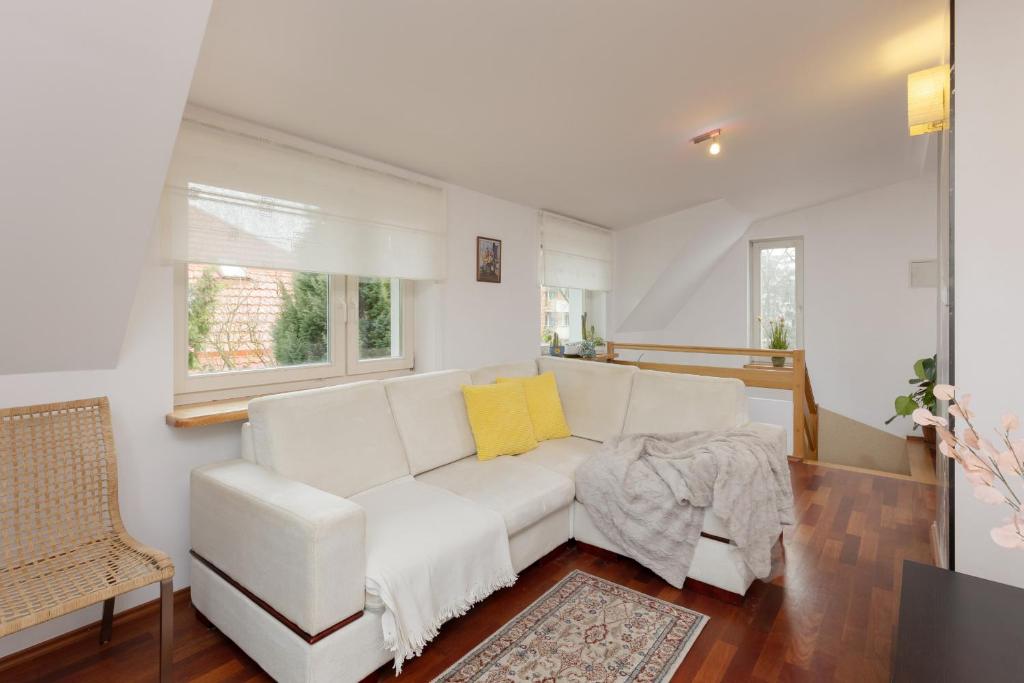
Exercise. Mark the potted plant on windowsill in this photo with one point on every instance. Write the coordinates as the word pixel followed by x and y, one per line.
pixel 591 344
pixel 555 347
pixel 778 338
pixel 922 397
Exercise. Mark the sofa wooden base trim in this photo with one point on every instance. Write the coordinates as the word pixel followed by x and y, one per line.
pixel 690 584
pixel 262 604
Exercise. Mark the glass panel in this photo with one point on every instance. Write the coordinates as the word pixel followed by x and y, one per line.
pixel 555 305
pixel 562 309
pixel 380 324
pixel 254 318
pixel 778 290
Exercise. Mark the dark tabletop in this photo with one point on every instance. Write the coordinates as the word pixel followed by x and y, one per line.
pixel 955 627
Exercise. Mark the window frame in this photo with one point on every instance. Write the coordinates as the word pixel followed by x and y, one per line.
pixel 343 331
pixel 754 294
pixel 361 366
pixel 591 300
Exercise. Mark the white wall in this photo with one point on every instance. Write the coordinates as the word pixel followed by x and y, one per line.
pixel 989 241
pixel 863 325
pixel 481 324
pixel 154 460
pixel 92 94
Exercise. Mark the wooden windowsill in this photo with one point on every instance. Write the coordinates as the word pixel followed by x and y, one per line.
pixel 206 413
pixel 209 413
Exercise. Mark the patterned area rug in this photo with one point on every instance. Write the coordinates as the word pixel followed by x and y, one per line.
pixel 585 629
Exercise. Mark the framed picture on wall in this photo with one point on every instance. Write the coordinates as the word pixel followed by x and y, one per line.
pixel 488 259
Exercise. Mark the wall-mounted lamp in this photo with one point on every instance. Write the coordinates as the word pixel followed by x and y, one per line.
pixel 928 100
pixel 715 147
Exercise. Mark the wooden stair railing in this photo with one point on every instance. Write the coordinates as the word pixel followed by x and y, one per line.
pixel 810 417
pixel 794 378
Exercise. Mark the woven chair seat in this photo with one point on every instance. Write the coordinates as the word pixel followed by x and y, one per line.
pixel 78 577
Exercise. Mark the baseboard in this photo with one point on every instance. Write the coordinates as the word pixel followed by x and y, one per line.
pixel 861 470
pixel 90 630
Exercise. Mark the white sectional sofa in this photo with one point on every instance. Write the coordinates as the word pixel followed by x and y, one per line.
pixel 280 537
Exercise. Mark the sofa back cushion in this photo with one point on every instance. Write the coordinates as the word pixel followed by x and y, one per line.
pixel 340 439
pixel 431 417
pixel 489 374
pixel 594 395
pixel 673 402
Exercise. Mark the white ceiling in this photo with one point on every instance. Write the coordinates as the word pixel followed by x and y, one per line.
pixel 586 106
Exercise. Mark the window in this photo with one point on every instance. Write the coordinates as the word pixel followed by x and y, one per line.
pixel 255 319
pixel 380 325
pixel 239 330
pixel 562 310
pixel 776 288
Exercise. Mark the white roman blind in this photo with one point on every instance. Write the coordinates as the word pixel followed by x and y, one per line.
pixel 232 199
pixel 574 253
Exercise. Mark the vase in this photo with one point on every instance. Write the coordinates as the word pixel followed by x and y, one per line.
pixel 779 361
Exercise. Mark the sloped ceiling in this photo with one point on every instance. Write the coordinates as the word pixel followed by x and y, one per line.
pixel 667 259
pixel 93 94
pixel 586 107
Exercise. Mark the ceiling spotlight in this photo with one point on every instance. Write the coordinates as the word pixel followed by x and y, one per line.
pixel 715 147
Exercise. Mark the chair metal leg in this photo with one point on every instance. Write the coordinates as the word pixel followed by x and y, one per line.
pixel 107 625
pixel 166 628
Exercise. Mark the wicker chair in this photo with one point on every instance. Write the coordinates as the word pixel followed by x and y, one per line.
pixel 62 544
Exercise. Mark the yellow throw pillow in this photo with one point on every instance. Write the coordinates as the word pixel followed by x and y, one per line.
pixel 544 404
pixel 500 419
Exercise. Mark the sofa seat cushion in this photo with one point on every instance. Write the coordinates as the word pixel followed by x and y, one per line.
pixel 404 496
pixel 430 554
pixel 562 456
pixel 521 492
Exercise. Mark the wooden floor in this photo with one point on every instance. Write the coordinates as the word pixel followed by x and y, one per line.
pixel 829 617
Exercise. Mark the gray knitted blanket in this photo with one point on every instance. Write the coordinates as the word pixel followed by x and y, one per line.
pixel 648 493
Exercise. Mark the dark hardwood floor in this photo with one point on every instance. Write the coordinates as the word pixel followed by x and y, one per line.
pixel 830 616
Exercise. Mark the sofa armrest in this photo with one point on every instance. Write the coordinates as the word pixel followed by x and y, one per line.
pixel 773 434
pixel 299 549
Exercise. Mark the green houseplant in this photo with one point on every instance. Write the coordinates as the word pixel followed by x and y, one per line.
pixel 923 396
pixel 778 339
pixel 589 341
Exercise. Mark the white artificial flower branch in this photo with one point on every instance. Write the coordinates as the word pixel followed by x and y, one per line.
pixel 983 465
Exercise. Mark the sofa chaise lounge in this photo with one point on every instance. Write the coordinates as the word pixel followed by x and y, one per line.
pixel 280 536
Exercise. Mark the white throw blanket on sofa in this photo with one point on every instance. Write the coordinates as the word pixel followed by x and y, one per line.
pixel 648 494
pixel 430 556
